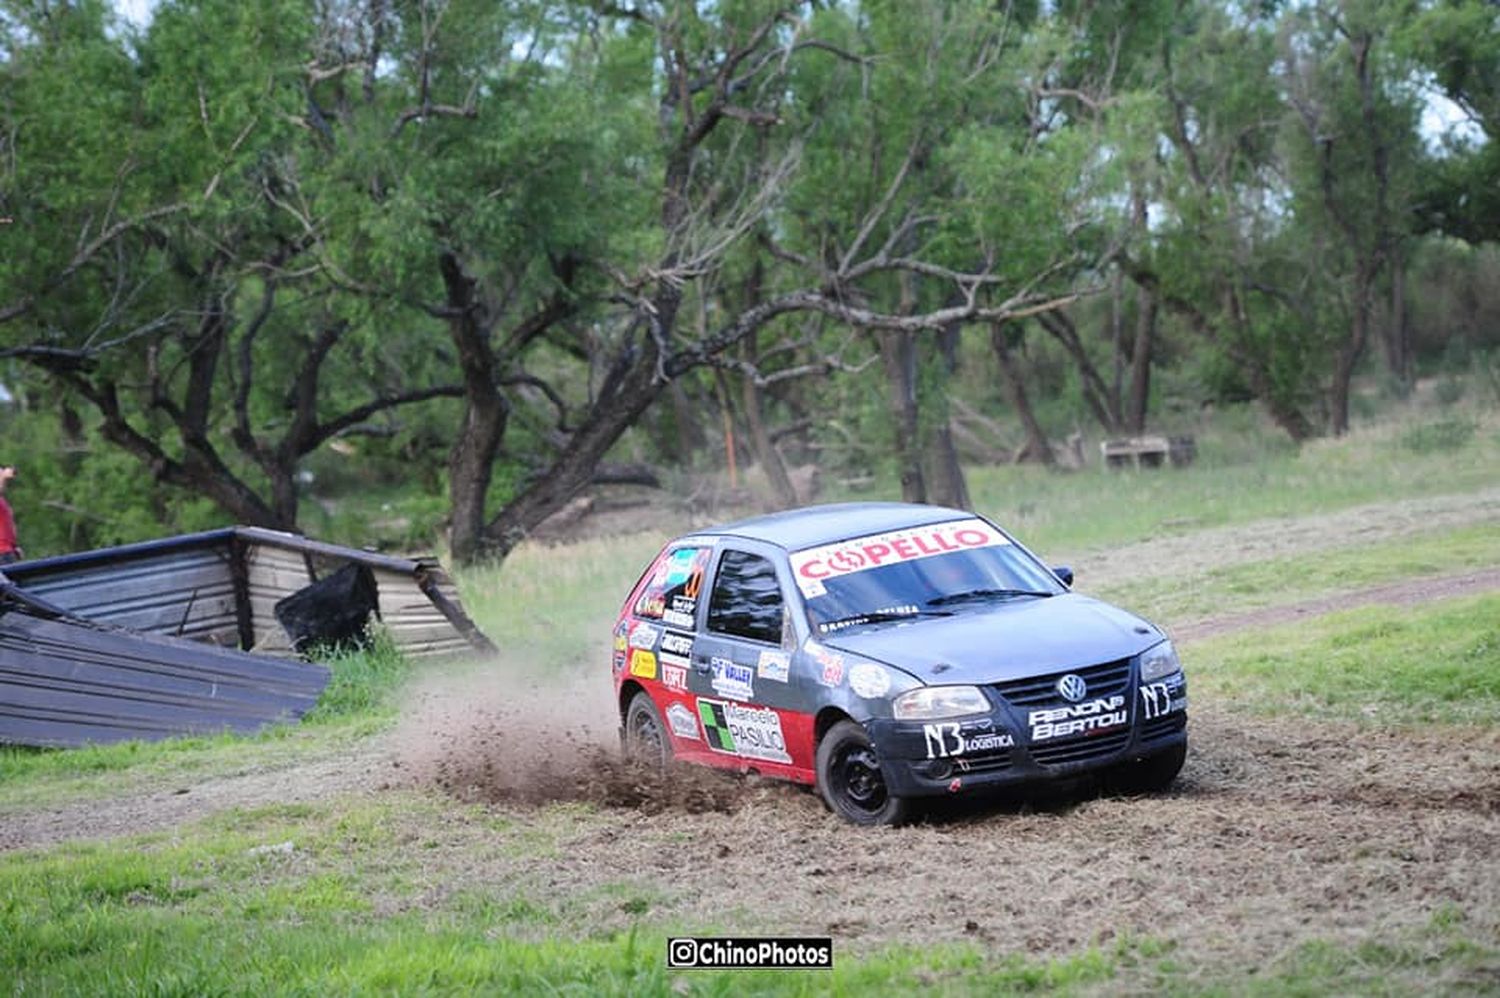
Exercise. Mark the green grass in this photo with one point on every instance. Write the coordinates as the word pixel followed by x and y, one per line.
pixel 1292 579
pixel 1094 507
pixel 350 908
pixel 366 900
pixel 1436 663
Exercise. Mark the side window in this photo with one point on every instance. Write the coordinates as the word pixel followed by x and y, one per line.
pixel 746 600
pixel 671 594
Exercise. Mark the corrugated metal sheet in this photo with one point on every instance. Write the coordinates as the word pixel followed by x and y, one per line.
pixel 181 587
pixel 68 682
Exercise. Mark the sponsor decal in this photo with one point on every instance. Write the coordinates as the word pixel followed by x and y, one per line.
pixel 675 648
pixel 732 680
pixel 869 680
pixel 814 566
pixel 674 676
pixel 1079 718
pixel 643 664
pixel 830 664
pixel 775 665
pixel 1158 700
pixel 682 721
pixel 618 662
pixel 621 630
pixel 678 576
pixel 752 732
pixel 947 739
pixel 644 636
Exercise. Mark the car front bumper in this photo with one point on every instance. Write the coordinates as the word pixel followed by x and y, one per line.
pixel 1013 745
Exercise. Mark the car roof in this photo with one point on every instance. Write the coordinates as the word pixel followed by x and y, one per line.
pixel 810 526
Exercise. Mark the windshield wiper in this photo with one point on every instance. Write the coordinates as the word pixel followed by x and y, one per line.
pixel 877 617
pixel 984 594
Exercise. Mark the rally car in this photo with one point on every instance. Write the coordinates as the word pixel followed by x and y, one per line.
pixel 887 652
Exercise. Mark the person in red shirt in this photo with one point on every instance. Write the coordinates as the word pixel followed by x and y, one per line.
pixel 9 550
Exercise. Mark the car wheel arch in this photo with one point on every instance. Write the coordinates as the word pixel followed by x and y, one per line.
pixel 628 690
pixel 826 719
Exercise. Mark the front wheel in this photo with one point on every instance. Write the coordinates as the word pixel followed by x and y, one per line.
pixel 645 736
pixel 850 780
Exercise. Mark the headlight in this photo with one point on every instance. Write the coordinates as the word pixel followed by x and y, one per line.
pixel 928 703
pixel 1159 661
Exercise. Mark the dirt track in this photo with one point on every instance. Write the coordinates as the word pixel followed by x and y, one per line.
pixel 454 738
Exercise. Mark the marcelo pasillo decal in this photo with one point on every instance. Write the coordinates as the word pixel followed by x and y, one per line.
pixel 751 732
pixel 643 664
pixel 814 566
pixel 776 665
pixel 682 722
pixel 1079 718
pixel 732 680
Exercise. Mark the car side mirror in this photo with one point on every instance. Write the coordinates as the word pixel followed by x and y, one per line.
pixel 1064 575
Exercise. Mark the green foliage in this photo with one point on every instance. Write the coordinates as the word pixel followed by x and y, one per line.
pixel 1442 435
pixel 363 679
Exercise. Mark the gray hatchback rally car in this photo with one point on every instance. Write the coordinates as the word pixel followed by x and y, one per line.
pixel 885 652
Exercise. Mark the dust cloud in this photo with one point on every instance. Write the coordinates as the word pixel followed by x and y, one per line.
pixel 492 733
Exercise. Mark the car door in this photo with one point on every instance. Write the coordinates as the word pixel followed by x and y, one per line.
pixel 742 665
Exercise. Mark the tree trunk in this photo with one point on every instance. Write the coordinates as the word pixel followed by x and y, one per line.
pixel 622 401
pixel 1351 350
pixel 766 453
pixel 1104 406
pixel 898 355
pixel 1036 447
pixel 1398 329
pixel 945 476
pixel 486 413
pixel 1140 362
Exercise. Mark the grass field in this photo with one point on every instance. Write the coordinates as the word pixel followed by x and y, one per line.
pixel 1308 740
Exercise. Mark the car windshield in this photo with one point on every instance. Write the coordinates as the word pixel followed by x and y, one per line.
pixel 934 570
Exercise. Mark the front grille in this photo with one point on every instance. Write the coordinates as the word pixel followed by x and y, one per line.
pixel 993 764
pixel 1080 749
pixel 1162 726
pixel 1103 680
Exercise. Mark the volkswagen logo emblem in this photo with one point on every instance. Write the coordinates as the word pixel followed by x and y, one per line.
pixel 1072 687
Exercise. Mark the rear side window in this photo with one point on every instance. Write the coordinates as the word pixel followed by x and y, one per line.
pixel 746 600
pixel 671 594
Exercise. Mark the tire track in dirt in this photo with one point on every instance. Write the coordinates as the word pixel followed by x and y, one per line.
pixel 1394 594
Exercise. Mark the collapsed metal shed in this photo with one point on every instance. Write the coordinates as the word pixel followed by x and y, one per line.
pixel 181 636
pixel 222 586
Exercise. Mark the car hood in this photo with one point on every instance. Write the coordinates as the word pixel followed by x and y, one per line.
pixel 1005 640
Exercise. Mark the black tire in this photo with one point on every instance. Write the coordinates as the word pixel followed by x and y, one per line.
pixel 1152 774
pixel 646 739
pixel 849 778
